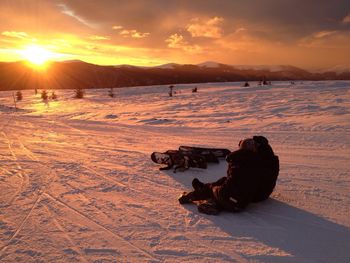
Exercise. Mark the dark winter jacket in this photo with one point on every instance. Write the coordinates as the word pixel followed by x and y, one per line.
pixel 242 179
pixel 269 169
pixel 251 177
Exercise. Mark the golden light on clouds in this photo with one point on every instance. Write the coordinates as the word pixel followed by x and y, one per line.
pixel 133 33
pixel 15 34
pixel 149 33
pixel 210 28
pixel 346 19
pixel 99 38
pixel 177 41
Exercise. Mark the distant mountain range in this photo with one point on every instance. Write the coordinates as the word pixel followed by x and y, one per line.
pixel 78 74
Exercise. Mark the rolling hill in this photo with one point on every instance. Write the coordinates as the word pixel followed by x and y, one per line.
pixel 79 74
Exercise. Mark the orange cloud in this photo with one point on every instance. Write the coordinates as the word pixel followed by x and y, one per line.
pixel 177 41
pixel 241 29
pixel 15 34
pixel 326 39
pixel 99 38
pixel 133 33
pixel 117 27
pixel 346 20
pixel 69 12
pixel 210 28
pixel 323 34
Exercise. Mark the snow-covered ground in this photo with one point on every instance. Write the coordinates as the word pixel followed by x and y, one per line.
pixel 77 182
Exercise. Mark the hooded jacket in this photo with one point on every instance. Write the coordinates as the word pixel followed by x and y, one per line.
pixel 251 175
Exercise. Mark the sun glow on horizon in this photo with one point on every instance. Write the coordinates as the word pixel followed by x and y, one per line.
pixel 37 56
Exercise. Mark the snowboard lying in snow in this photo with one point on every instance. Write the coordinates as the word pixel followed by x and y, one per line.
pixel 218 152
pixel 188 156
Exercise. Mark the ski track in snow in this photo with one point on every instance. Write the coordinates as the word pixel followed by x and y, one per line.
pixel 78 184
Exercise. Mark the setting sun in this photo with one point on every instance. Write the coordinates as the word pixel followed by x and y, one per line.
pixel 37 55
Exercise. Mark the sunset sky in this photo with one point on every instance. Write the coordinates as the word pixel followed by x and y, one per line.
pixel 304 33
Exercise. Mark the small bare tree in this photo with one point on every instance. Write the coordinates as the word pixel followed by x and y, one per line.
pixel 171 87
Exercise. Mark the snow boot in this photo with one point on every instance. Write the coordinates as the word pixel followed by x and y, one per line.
pixel 185 198
pixel 196 184
pixel 208 207
pixel 197 195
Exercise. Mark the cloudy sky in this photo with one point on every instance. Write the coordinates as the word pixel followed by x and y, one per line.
pixel 305 33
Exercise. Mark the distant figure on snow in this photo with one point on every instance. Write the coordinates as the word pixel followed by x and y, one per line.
pixel 246 84
pixel 44 95
pixel 194 90
pixel 79 93
pixel 111 93
pixel 19 96
pixel 251 177
pixel 53 96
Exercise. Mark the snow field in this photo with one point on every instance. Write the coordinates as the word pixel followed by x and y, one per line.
pixel 77 182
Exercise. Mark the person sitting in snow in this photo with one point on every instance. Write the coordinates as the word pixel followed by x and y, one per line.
pixel 251 177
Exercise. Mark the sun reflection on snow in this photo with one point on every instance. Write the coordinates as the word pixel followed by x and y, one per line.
pixel 41 106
